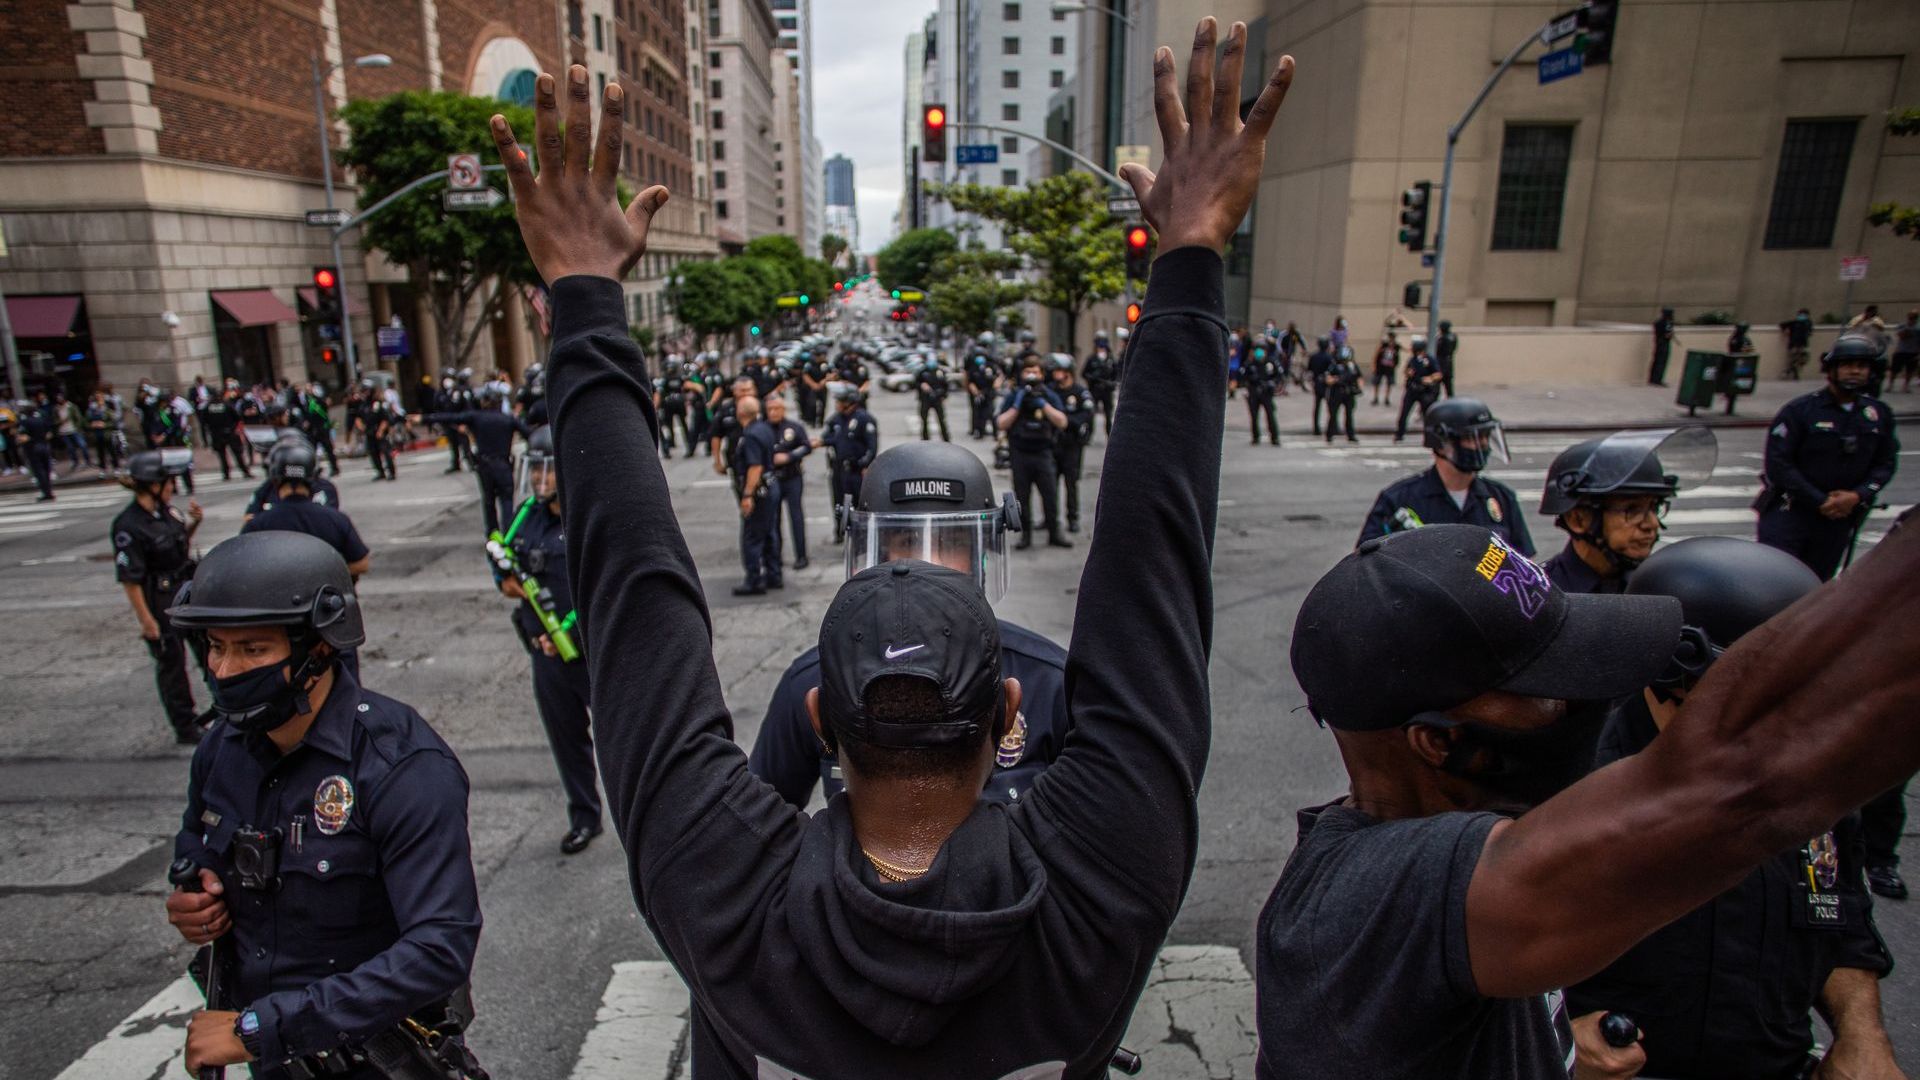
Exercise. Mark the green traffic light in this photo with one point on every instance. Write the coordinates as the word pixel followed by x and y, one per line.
pixel 805 300
pixel 755 331
pixel 896 294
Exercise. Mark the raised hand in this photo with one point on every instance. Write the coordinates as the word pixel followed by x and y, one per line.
pixel 570 214
pixel 1212 165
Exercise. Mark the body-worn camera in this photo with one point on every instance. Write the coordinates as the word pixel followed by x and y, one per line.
pixel 256 858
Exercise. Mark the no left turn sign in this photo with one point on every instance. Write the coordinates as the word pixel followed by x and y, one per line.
pixel 464 173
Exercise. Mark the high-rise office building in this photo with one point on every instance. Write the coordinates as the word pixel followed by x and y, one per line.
pixel 741 119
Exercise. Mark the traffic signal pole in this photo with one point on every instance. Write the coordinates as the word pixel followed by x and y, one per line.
pixel 1550 31
pixel 326 171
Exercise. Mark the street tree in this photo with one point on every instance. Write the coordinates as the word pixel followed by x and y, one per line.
pixel 712 298
pixel 967 289
pixel 1061 227
pixel 468 261
pixel 1902 219
pixel 832 246
pixel 909 259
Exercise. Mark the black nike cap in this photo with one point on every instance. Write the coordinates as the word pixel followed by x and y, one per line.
pixel 910 618
pixel 1429 619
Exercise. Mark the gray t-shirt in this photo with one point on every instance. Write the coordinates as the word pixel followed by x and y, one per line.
pixel 1363 970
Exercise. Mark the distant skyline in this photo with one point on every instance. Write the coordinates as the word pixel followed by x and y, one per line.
pixel 857 96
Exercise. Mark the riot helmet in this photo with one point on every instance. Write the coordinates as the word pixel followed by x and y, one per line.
pixel 1652 465
pixel 538 465
pixel 272 578
pixel 292 462
pixel 154 467
pixel 488 396
pixel 933 502
pixel 1726 587
pixel 1463 431
pixel 1851 348
pixel 1419 343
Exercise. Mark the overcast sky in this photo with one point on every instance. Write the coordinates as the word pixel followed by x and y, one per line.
pixel 859 48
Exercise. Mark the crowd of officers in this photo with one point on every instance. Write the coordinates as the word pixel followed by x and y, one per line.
pixel 1589 831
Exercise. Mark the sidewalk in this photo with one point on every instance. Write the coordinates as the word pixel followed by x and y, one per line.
pixel 1590 408
pixel 205 466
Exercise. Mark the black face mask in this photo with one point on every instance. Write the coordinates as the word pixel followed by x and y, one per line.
pixel 1528 766
pixel 264 698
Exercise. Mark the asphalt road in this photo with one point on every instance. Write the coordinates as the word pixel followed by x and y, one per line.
pixel 567 981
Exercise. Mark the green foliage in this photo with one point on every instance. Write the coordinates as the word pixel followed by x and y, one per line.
pixel 1712 318
pixel 832 246
pixel 909 259
pixel 642 334
pixel 967 292
pixel 463 258
pixel 711 297
pixel 1902 220
pixel 1061 227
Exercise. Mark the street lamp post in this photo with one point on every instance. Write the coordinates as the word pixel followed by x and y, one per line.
pixel 322 69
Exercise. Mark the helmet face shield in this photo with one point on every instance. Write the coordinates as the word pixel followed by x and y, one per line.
pixel 972 542
pixel 1470 448
pixel 1648 462
pixel 537 476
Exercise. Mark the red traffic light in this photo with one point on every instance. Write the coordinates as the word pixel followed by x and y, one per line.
pixel 936 116
pixel 323 278
pixel 328 355
pixel 1137 238
pixel 1133 313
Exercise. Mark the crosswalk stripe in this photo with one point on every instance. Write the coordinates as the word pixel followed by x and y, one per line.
pixel 151 1041
pixel 641 1027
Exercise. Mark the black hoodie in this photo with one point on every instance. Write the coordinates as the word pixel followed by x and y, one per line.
pixel 1025 946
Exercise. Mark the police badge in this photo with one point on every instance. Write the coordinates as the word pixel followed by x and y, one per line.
pixel 1493 510
pixel 332 804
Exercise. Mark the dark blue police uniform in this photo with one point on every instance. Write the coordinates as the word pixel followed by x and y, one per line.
pixel 1490 504
pixel 759 546
pixel 298 513
pixel 854 439
pixel 1570 573
pixel 1728 989
pixel 786 754
pixel 561 688
pixel 1030 444
pixel 492 454
pixel 1815 446
pixel 324 494
pixel 373 913
pixel 790 438
pixel 1417 392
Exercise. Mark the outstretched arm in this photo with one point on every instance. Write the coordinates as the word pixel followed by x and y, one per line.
pixel 677 783
pixel 1126 786
pixel 1779 741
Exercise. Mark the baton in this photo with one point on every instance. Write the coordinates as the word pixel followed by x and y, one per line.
pixel 185 876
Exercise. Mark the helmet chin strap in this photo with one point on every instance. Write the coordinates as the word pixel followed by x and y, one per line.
pixel 1596 538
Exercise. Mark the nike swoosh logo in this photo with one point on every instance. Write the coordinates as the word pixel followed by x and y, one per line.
pixel 895 654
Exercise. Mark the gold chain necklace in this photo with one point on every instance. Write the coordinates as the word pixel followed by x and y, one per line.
pixel 892 873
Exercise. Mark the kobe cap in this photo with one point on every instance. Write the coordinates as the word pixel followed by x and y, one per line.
pixel 1429 619
pixel 917 619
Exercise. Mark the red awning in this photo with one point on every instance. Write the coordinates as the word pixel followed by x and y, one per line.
pixel 42 316
pixel 312 300
pixel 255 307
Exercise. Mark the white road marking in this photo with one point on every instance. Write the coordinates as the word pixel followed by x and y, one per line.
pixel 640 1025
pixel 151 1041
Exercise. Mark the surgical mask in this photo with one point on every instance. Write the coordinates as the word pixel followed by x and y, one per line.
pixel 262 699
pixel 1851 385
pixel 1527 766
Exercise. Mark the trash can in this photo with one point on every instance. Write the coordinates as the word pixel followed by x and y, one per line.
pixel 1700 380
pixel 1738 375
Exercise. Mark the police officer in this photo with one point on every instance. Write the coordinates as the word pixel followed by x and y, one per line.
pixel 492 432
pixel 1033 416
pixel 1463 435
pixel 1445 351
pixel 152 557
pixel 1070 448
pixel 853 369
pixel 220 421
pixel 252 412
pixel 1729 988
pixel 698 419
pixel 1740 341
pixel 1829 455
pixel 982 375
pixel 313 416
pixel 321 490
pixel 813 393
pixel 1319 363
pixel 382 423
pixel 1610 496
pixel 453 398
pixel 1260 376
pixel 326 826
pixel 766 378
pixel 1342 382
pixel 537 541
pixel 37 427
pixel 934 503
pixel 930 389
pixel 670 401
pixel 758 493
pixel 853 439
pixel 1662 346
pixel 1101 376
pixel 723 431
pixel 790 449
pixel 1424 379
pixel 292 468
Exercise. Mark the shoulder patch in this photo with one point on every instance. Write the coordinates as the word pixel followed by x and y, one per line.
pixel 123 539
pixel 1779 430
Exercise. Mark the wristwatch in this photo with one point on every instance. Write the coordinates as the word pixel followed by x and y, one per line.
pixel 246 1027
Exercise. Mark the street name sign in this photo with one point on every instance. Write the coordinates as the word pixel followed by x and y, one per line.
pixel 329 219
pixel 1123 206
pixel 976 154
pixel 1560 64
pixel 484 199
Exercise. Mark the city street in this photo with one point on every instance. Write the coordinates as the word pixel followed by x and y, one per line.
pixel 568 983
